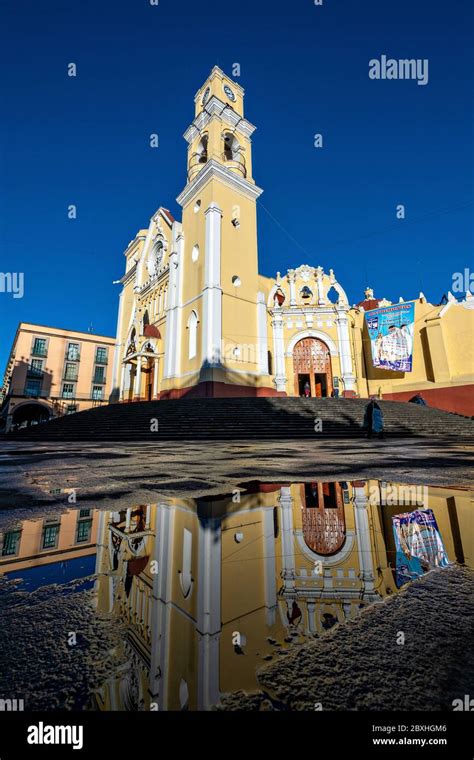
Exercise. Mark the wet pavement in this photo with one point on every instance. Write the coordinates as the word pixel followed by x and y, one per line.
pixel 323 595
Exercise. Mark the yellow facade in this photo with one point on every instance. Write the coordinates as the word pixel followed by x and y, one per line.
pixel 197 319
pixel 205 591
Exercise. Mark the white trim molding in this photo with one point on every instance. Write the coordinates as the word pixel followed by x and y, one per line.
pixel 214 170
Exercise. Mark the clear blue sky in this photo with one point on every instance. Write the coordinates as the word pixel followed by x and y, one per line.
pixel 85 140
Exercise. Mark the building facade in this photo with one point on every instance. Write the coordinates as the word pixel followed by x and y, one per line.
pixel 203 590
pixel 51 372
pixel 196 318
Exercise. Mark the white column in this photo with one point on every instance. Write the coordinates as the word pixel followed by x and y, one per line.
pixel 262 339
pixel 364 544
pixel 208 624
pixel 138 378
pixel 269 565
pixel 212 293
pixel 287 539
pixel 311 607
pixel 161 601
pixel 122 381
pixel 279 351
pixel 177 304
pixel 115 392
pixel 320 285
pixel 292 281
pixel 173 301
pixel 342 324
pixel 156 369
pixel 128 518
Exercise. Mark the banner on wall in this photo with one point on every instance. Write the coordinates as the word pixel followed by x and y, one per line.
pixel 418 545
pixel 391 336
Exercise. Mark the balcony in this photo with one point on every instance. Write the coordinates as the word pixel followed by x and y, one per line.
pixel 196 162
pixel 40 352
pixel 99 379
pixel 235 161
pixel 34 372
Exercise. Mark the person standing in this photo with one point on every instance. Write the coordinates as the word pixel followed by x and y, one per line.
pixel 373 419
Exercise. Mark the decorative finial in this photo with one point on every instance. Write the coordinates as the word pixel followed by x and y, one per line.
pixel 369 294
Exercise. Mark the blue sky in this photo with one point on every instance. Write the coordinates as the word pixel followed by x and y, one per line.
pixel 85 140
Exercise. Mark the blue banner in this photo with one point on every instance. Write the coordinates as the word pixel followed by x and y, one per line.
pixel 418 545
pixel 391 336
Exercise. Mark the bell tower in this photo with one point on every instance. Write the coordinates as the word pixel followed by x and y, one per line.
pixel 222 330
pixel 220 131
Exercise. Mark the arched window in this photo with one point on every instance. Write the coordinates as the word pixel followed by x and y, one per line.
pixel 192 327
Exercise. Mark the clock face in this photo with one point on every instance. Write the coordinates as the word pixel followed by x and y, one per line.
pixel 229 92
pixel 205 97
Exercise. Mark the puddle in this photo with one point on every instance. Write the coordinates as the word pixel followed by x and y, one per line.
pixel 176 605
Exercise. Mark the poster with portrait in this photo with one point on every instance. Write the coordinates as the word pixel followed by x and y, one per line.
pixel 418 545
pixel 391 336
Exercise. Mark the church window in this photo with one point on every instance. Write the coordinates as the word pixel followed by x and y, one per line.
pixel 236 281
pixel 192 327
pixel 195 253
pixel 197 207
pixel 333 295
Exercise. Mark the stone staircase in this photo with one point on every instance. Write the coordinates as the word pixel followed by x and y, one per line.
pixel 245 419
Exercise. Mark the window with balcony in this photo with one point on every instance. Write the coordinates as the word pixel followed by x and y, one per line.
pixel 70 371
pixel 68 390
pixel 99 375
pixel 36 368
pixel 39 347
pixel 73 353
pixel 101 355
pixel 11 543
pixel 97 392
pixel 83 531
pixel 33 387
pixel 50 536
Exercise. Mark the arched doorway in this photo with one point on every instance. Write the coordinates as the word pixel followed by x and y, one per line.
pixel 324 525
pixel 30 414
pixel 312 364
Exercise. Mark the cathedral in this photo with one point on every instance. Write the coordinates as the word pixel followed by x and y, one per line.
pixel 196 318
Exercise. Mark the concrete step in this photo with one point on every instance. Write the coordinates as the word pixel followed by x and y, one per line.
pixel 245 419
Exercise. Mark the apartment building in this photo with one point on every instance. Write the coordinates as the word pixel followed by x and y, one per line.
pixel 51 372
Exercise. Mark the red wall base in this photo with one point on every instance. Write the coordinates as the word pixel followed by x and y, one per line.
pixel 457 398
pixel 219 390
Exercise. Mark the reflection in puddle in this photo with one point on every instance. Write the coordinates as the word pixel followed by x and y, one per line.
pixel 179 603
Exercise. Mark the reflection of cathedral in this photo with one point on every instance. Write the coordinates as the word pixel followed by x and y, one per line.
pixel 204 587
pixel 197 318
